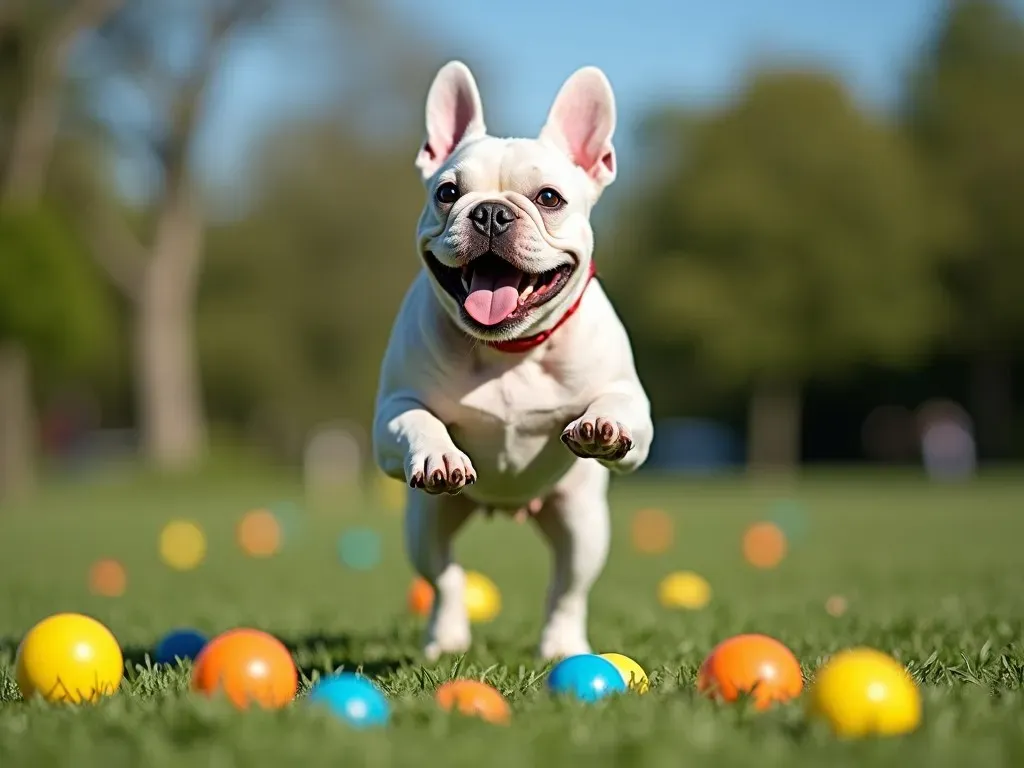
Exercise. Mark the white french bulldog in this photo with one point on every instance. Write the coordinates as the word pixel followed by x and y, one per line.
pixel 508 382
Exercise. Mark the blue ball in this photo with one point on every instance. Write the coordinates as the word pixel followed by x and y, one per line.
pixel 354 699
pixel 586 677
pixel 185 644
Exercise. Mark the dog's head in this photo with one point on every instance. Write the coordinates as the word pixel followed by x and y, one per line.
pixel 505 232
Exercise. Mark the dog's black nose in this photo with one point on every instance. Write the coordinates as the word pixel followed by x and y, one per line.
pixel 492 219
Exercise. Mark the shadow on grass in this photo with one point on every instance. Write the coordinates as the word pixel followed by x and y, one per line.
pixel 373 656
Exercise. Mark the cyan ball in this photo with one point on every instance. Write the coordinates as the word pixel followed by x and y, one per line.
pixel 184 644
pixel 586 677
pixel 359 548
pixel 354 699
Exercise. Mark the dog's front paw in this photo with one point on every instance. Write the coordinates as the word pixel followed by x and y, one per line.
pixel 440 472
pixel 595 437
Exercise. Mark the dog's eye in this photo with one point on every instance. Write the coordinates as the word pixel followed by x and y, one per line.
pixel 447 193
pixel 548 198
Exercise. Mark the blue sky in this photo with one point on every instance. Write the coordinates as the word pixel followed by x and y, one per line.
pixel 674 50
pixel 653 51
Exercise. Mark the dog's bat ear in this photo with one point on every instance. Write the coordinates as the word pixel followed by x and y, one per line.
pixel 581 123
pixel 454 113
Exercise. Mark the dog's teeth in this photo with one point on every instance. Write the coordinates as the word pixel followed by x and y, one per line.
pixel 530 282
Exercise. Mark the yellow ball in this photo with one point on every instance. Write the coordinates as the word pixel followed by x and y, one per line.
pixel 182 545
pixel 632 673
pixel 861 692
pixel 684 589
pixel 69 657
pixel 482 598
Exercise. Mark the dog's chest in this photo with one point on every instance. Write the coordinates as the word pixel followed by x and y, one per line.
pixel 508 420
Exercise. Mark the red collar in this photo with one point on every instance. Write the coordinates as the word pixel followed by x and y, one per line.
pixel 527 343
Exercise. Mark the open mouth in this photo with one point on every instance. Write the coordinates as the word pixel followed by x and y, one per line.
pixel 493 293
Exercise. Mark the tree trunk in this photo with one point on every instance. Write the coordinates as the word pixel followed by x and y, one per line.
pixel 774 426
pixel 34 131
pixel 31 147
pixel 167 372
pixel 17 444
pixel 991 394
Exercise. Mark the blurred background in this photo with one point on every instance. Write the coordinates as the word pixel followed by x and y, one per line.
pixel 207 211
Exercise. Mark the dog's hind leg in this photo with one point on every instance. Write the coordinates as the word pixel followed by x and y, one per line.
pixel 575 521
pixel 431 522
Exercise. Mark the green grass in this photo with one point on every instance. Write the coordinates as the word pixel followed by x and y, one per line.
pixel 932 575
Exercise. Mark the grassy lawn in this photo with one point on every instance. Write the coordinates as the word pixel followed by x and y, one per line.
pixel 931 574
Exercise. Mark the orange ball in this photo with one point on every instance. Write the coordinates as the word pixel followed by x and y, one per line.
pixel 107 578
pixel 248 666
pixel 420 597
pixel 476 699
pixel 764 545
pixel 259 533
pixel 757 665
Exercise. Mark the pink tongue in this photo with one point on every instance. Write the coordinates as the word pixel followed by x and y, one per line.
pixel 493 297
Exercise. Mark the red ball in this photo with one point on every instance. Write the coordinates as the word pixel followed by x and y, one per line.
pixel 757 665
pixel 249 667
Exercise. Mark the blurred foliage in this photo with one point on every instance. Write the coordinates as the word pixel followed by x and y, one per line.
pixel 789 238
pixel 12 60
pixel 292 312
pixel 965 111
pixel 789 234
pixel 297 304
pixel 51 298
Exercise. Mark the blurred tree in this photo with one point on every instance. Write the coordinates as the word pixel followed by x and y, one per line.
pixel 298 295
pixel 788 238
pixel 296 307
pixel 155 253
pixel 965 110
pixel 51 306
pixel 158 270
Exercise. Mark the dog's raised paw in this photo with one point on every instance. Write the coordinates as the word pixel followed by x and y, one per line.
pixel 596 437
pixel 441 472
